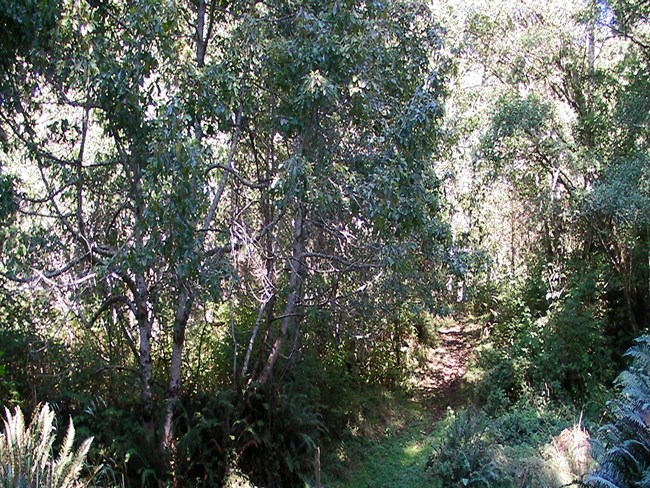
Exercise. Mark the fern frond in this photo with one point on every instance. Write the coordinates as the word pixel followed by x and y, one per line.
pixel 645 480
pixel 17 449
pixel 41 435
pixel 621 455
pixel 631 422
pixel 73 469
pixel 610 435
pixel 598 482
pixel 65 455
pixel 626 462
pixel 640 355
pixel 634 385
pixel 26 457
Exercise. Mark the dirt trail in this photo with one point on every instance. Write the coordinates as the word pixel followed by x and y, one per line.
pixel 398 457
pixel 440 378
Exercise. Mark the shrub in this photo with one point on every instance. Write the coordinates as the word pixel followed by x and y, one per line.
pixel 263 438
pixel 121 444
pixel 561 356
pixel 26 457
pixel 276 437
pixel 463 459
pixel 575 354
pixel 205 438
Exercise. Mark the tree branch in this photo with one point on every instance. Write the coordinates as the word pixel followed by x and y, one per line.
pixel 224 178
pixel 49 275
pixel 240 178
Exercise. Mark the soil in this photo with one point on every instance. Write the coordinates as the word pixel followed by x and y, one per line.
pixel 440 379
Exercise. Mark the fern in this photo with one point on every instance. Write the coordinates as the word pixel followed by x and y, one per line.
pixel 26 454
pixel 464 459
pixel 626 461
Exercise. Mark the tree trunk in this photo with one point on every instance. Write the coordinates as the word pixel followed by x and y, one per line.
pixel 144 354
pixel 181 317
pixel 294 298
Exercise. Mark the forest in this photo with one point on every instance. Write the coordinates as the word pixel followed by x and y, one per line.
pixel 324 243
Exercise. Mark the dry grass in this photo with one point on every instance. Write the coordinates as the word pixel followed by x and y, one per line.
pixel 568 456
pixel 562 461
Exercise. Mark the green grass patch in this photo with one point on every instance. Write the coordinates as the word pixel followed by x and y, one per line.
pixel 390 447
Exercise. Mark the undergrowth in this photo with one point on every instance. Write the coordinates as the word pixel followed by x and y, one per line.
pixel 399 440
pixel 385 445
pixel 625 461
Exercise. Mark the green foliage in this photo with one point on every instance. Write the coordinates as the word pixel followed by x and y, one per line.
pixel 522 426
pixel 21 20
pixel 563 151
pixel 558 353
pixel 152 174
pixel 204 444
pixel 516 120
pixel 31 361
pixel 384 446
pixel 522 448
pixel 576 351
pixel 626 459
pixel 624 193
pixel 511 356
pixel 267 437
pixel 523 136
pixel 26 453
pixel 464 457
pixel 121 445
pixel 8 202
pixel 276 437
pixel 27 30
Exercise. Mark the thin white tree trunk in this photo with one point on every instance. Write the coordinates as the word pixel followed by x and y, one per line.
pixel 294 298
pixel 181 317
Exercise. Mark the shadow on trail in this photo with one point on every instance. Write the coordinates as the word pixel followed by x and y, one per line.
pixel 397 455
pixel 439 380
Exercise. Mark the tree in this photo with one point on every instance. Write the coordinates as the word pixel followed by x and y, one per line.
pixel 345 131
pixel 122 160
pixel 553 87
pixel 171 157
pixel 552 155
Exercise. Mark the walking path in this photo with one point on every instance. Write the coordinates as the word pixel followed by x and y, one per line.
pixel 398 458
pixel 440 379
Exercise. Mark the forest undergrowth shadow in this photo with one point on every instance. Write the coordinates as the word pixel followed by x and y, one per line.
pixel 391 440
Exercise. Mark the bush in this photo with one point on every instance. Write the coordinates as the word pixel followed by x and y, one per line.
pixel 204 442
pixel 121 445
pixel 276 437
pixel 267 438
pixel 575 353
pixel 463 459
pixel 561 356
pixel 26 457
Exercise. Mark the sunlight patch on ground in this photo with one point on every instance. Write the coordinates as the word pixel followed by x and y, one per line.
pixel 414 449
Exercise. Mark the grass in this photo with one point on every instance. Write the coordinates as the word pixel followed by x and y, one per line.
pixel 392 452
pixel 394 434
pixel 391 440
pixel 534 453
